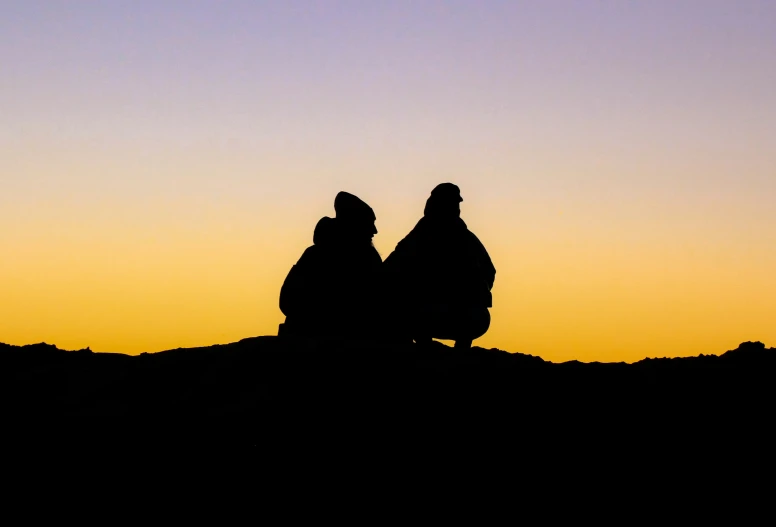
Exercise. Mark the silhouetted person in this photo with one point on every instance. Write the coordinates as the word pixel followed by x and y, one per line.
pixel 333 288
pixel 441 275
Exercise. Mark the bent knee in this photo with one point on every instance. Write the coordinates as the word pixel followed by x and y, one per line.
pixel 466 324
pixel 480 322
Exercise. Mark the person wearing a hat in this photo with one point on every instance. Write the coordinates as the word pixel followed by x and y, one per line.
pixel 441 275
pixel 333 288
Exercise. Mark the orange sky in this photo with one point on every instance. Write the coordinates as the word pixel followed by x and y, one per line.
pixel 163 166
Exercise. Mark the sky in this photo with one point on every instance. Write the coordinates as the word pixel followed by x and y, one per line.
pixel 163 163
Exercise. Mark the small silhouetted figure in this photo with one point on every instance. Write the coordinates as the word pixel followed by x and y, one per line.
pixel 441 275
pixel 333 288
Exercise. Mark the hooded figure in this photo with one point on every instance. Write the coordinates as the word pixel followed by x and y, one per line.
pixel 441 275
pixel 331 290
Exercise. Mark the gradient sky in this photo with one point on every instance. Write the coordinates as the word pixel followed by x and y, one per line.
pixel 163 163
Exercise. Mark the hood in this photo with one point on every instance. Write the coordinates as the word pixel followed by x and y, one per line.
pixel 325 231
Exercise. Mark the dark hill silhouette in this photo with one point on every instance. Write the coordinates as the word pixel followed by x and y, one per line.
pixel 396 418
pixel 269 388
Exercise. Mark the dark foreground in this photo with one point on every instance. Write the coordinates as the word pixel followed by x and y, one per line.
pixel 383 428
pixel 267 389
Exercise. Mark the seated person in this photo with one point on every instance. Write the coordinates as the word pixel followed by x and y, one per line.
pixel 441 275
pixel 332 289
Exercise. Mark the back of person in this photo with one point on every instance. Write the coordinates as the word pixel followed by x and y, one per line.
pixel 332 288
pixel 304 294
pixel 445 263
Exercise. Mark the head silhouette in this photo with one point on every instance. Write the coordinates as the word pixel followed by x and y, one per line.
pixel 325 231
pixel 444 202
pixel 356 218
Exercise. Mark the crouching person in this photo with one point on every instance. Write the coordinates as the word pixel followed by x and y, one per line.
pixel 442 275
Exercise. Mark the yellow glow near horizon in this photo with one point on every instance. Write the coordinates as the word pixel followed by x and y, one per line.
pixel 564 290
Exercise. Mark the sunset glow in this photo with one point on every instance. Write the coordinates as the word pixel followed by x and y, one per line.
pixel 163 163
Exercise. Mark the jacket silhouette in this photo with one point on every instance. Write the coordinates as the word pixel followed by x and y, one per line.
pixel 441 275
pixel 333 289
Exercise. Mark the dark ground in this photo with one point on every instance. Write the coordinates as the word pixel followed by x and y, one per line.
pixel 360 426
pixel 269 389
pixel 365 426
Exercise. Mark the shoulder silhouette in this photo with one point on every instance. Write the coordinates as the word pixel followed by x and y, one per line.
pixel 442 275
pixel 333 288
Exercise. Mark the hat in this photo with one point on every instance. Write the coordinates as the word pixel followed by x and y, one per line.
pixel 347 206
pixel 447 191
